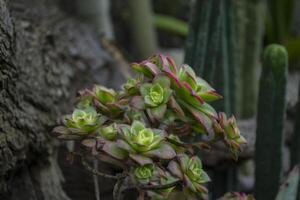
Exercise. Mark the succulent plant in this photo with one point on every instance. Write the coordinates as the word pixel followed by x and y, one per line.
pixel 143 174
pixel 191 93
pixel 107 101
pixel 162 178
pixel 229 131
pixel 190 171
pixel 139 140
pixel 156 95
pixel 84 121
pixel 109 132
pixel 142 129
pixel 132 85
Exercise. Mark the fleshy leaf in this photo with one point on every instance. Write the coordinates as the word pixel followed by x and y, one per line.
pixel 112 149
pixel 140 159
pixel 163 81
pixel 165 151
pixel 69 137
pixel 145 89
pixel 175 169
pixel 137 102
pixel 61 130
pixel 90 143
pixel 158 112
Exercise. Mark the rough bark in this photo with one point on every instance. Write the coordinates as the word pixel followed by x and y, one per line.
pixel 45 57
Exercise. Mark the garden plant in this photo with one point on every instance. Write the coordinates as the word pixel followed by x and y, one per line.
pixel 152 131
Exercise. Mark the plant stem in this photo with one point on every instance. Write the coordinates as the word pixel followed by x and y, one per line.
pixel 96 181
pixel 158 187
pixel 96 172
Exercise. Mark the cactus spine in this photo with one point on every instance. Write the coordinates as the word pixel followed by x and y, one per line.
pixel 270 118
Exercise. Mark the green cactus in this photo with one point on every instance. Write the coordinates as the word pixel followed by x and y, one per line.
pixel 254 27
pixel 288 190
pixel 207 43
pixel 270 118
pixel 197 40
pixel 295 147
pixel 221 76
pixel 210 50
pixel 237 23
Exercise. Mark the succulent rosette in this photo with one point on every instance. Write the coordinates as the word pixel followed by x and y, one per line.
pixel 228 130
pixel 156 95
pixel 84 121
pixel 193 89
pixel 132 85
pixel 109 132
pixel 191 172
pixel 108 102
pixel 146 129
pixel 142 143
pixel 144 174
pixel 80 123
pixel 164 178
pixel 191 92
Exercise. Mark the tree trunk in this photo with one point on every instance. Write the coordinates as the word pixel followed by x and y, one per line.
pixel 45 57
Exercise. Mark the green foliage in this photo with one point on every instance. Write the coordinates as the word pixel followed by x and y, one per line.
pixel 141 129
pixel 270 119
pixel 190 171
pixel 144 173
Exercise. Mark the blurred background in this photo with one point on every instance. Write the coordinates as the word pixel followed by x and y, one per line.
pixel 50 49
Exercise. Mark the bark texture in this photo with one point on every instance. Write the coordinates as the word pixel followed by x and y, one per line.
pixel 45 57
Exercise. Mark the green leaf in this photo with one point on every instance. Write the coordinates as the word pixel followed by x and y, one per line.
pixel 112 149
pixel 156 94
pixel 174 168
pixel 140 159
pixel 163 81
pixel 145 89
pixel 149 102
pixel 176 107
pixel 90 143
pixel 209 96
pixel 137 102
pixel 189 183
pixel 104 94
pixel 141 69
pixel 183 160
pixel 61 130
pixel 136 127
pixel 165 151
pixel 208 109
pixel 123 145
pixel 204 177
pixel 167 93
pixel 159 111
